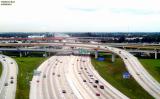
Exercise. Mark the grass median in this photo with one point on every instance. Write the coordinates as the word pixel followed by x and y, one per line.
pixel 152 66
pixel 112 73
pixel 26 67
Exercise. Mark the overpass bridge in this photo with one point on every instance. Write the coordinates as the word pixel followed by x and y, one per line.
pixel 24 48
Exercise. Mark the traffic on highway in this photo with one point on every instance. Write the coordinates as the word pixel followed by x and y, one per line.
pixel 8 80
pixel 71 77
pixel 74 77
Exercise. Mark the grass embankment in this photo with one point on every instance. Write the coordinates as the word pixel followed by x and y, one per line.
pixel 152 66
pixel 26 67
pixel 112 73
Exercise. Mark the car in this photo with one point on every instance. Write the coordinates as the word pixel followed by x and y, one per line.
pixel 119 52
pixel 63 91
pixel 97 94
pixel 90 75
pixel 12 82
pixel 58 75
pixel 81 68
pixel 3 57
pixel 96 81
pixel 90 82
pixel 92 78
pixel 95 86
pixel 6 84
pixel 101 86
pixel 12 77
pixel 83 61
pixel 11 62
pixel 4 60
pixel 60 62
pixel 84 80
pixel 77 60
pixel 37 81
pixel 125 57
pixel 85 68
pixel 53 73
pixel 44 76
pixel 79 73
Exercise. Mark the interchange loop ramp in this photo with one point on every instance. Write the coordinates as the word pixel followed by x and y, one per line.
pixel 70 77
pixel 8 80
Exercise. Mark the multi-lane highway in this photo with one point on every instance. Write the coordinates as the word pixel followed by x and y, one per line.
pixel 44 85
pixel 8 80
pixel 71 77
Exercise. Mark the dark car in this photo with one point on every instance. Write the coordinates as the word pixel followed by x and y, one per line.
pixel 84 80
pixel 12 82
pixel 125 57
pixel 37 81
pixel 11 62
pixel 53 73
pixel 97 94
pixel 63 91
pixel 12 77
pixel 6 84
pixel 101 86
pixel 96 81
pixel 95 86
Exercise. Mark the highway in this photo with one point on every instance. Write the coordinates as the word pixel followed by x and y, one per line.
pixel 139 73
pixel 8 80
pixel 70 77
pixel 132 64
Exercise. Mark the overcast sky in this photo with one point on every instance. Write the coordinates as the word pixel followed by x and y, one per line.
pixel 80 15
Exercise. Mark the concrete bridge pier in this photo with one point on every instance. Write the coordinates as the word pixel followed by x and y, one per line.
pixel 25 53
pixel 155 54
pixel 20 54
pixel 45 54
pixel 113 57
pixel 96 54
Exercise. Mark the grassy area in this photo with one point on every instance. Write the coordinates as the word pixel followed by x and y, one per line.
pixel 26 67
pixel 152 66
pixel 112 72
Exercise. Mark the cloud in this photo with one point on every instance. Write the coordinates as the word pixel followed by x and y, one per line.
pixel 81 15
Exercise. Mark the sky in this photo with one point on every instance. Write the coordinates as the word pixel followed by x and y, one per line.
pixel 81 16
